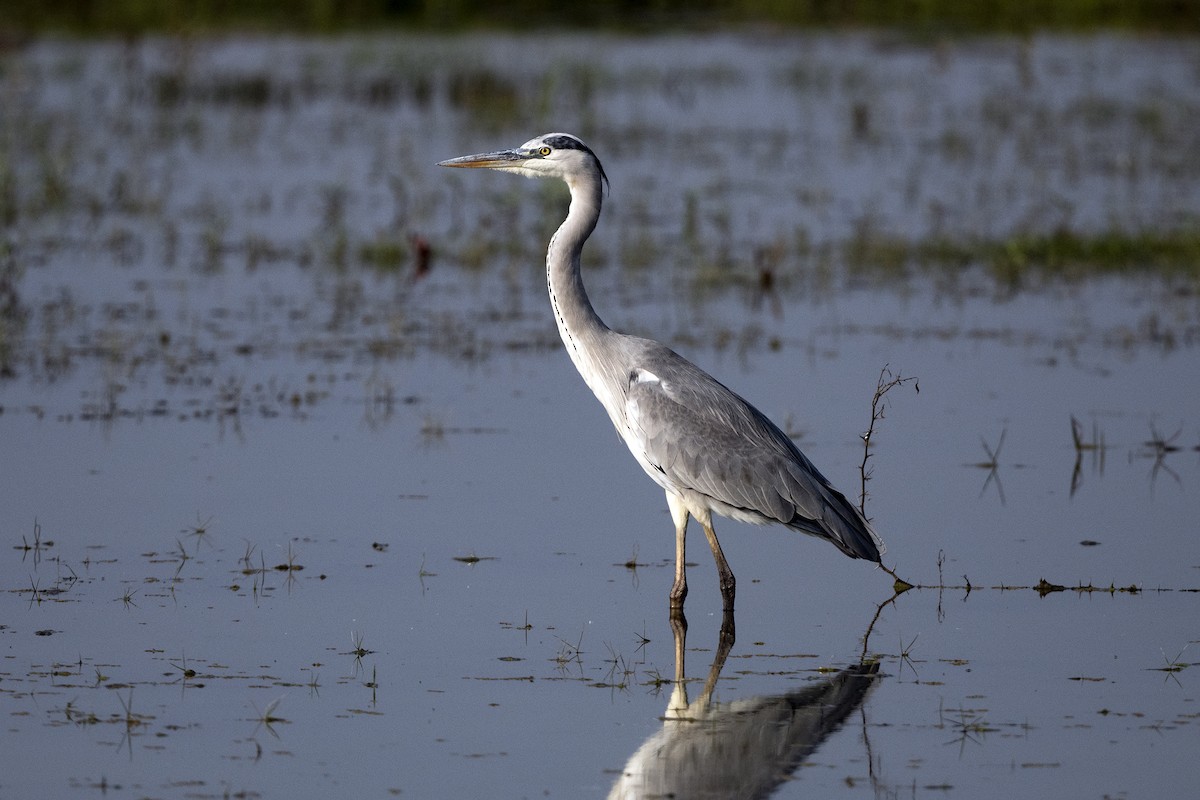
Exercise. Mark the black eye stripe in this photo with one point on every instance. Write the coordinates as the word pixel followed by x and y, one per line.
pixel 563 142
pixel 566 143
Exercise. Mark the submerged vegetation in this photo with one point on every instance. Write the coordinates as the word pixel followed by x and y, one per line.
pixel 1037 257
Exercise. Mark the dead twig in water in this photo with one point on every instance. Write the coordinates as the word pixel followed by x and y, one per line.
pixel 887 381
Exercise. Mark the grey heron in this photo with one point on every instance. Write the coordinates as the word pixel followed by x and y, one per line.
pixel 710 450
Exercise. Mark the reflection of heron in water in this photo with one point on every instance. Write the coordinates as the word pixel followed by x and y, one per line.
pixel 706 446
pixel 742 749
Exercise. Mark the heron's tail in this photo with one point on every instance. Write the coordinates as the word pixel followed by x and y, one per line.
pixel 844 525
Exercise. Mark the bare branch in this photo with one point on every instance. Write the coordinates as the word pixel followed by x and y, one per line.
pixel 887 381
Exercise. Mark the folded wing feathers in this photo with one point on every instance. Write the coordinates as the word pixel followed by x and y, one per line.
pixel 706 438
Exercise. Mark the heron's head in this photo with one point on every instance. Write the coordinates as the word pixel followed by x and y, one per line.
pixel 551 155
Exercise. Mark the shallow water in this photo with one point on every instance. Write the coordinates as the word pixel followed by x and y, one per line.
pixel 281 520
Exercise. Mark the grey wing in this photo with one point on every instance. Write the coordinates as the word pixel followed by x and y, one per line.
pixel 706 439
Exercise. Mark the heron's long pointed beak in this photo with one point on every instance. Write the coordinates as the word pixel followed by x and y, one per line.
pixel 496 160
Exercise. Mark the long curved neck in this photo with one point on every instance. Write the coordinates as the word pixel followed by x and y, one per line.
pixel 578 324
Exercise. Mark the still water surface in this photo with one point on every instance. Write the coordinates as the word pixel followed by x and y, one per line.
pixel 282 520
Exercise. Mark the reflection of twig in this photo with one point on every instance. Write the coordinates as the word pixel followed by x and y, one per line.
pixel 878 611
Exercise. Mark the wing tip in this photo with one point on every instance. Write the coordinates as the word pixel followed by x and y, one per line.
pixel 850 533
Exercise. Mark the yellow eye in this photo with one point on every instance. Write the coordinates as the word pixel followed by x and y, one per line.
pixel 543 150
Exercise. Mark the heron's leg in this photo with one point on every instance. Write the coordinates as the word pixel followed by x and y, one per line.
pixel 724 573
pixel 679 514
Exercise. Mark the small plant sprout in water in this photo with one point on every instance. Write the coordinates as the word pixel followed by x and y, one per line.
pixel 131 721
pixel 260 577
pixel 36 547
pixel 127 597
pixel 656 680
pixel 969 725
pixel 267 717
pixel 906 657
pixel 183 557
pixel 992 465
pixel 100 676
pixel 186 671
pixel 127 705
pixel 1081 444
pixel 432 430
pixel 642 639
pixel 199 530
pixel 314 681
pixel 1159 449
pixel 632 564
pixel 1095 446
pixel 1162 446
pixel 568 652
pixel 512 626
pixel 618 670
pixel 69 580
pixel 423 573
pixel 525 628
pixel 1172 666
pixel 360 649
pixel 247 560
pixel 290 565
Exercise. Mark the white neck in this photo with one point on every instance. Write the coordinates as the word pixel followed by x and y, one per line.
pixel 578 324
